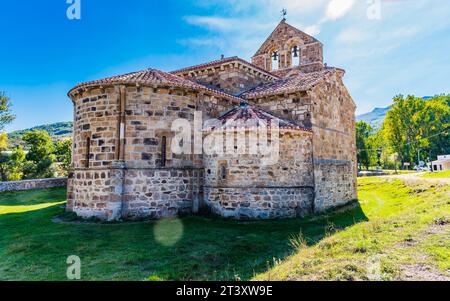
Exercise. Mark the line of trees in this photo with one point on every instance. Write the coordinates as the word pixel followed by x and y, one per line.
pixel 414 130
pixel 41 157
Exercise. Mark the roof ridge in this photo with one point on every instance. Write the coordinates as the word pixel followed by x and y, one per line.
pixel 300 82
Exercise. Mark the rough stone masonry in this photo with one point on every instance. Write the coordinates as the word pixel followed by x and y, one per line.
pixel 124 168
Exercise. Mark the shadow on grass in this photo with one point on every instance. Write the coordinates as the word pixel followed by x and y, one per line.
pixel 191 248
pixel 33 197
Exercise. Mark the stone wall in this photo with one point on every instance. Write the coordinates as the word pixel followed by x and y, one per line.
pixel 91 185
pixel 240 186
pixel 32 184
pixel 149 117
pixel 126 176
pixel 330 111
pixel 294 106
pixel 293 166
pixel 158 193
pixel 334 144
pixel 95 122
pixel 260 203
pixel 93 193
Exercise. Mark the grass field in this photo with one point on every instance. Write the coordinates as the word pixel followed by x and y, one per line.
pixel 407 227
pixel 440 174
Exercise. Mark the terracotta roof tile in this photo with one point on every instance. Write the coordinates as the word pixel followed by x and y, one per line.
pixel 301 82
pixel 154 77
pixel 250 117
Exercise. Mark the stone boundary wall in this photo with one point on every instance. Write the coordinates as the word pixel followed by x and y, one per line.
pixel 32 184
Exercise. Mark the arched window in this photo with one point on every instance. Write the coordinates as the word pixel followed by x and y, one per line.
pixel 163 151
pixel 88 152
pixel 275 60
pixel 296 55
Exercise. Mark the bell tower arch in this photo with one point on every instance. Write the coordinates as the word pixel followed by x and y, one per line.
pixel 294 49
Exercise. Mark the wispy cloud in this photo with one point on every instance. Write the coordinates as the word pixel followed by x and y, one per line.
pixel 312 30
pixel 213 23
pixel 338 8
pixel 202 42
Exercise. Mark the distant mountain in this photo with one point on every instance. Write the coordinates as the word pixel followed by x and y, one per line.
pixel 374 118
pixel 57 131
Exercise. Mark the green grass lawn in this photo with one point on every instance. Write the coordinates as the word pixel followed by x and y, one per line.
pixel 392 220
pixel 440 174
pixel 408 231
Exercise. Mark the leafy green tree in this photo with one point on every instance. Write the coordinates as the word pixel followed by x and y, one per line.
pixel 15 164
pixel 41 154
pixel 436 127
pixel 6 117
pixel 3 142
pixel 376 149
pixel 64 154
pixel 415 128
pixel 363 132
pixel 4 158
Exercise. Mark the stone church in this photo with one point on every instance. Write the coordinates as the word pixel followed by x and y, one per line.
pixel 124 168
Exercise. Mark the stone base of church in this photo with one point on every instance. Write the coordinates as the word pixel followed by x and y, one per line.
pixel 260 203
pixel 121 193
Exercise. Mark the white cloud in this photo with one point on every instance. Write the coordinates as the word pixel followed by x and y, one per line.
pixel 338 8
pixel 312 30
pixel 201 42
pixel 214 23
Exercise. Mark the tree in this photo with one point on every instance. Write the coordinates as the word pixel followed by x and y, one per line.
pixel 414 127
pixel 64 153
pixel 6 117
pixel 399 126
pixel 41 153
pixel 436 127
pixel 363 132
pixel 377 149
pixel 4 158
pixel 15 164
pixel 3 142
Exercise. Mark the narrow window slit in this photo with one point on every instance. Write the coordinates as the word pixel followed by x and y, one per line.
pixel 163 151
pixel 88 152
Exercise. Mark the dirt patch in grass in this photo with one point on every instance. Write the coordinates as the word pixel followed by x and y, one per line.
pixel 422 272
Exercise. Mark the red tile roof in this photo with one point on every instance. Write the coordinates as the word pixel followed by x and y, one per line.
pixel 251 117
pixel 154 77
pixel 301 82
pixel 220 62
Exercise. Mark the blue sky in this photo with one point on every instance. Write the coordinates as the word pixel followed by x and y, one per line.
pixel 43 54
